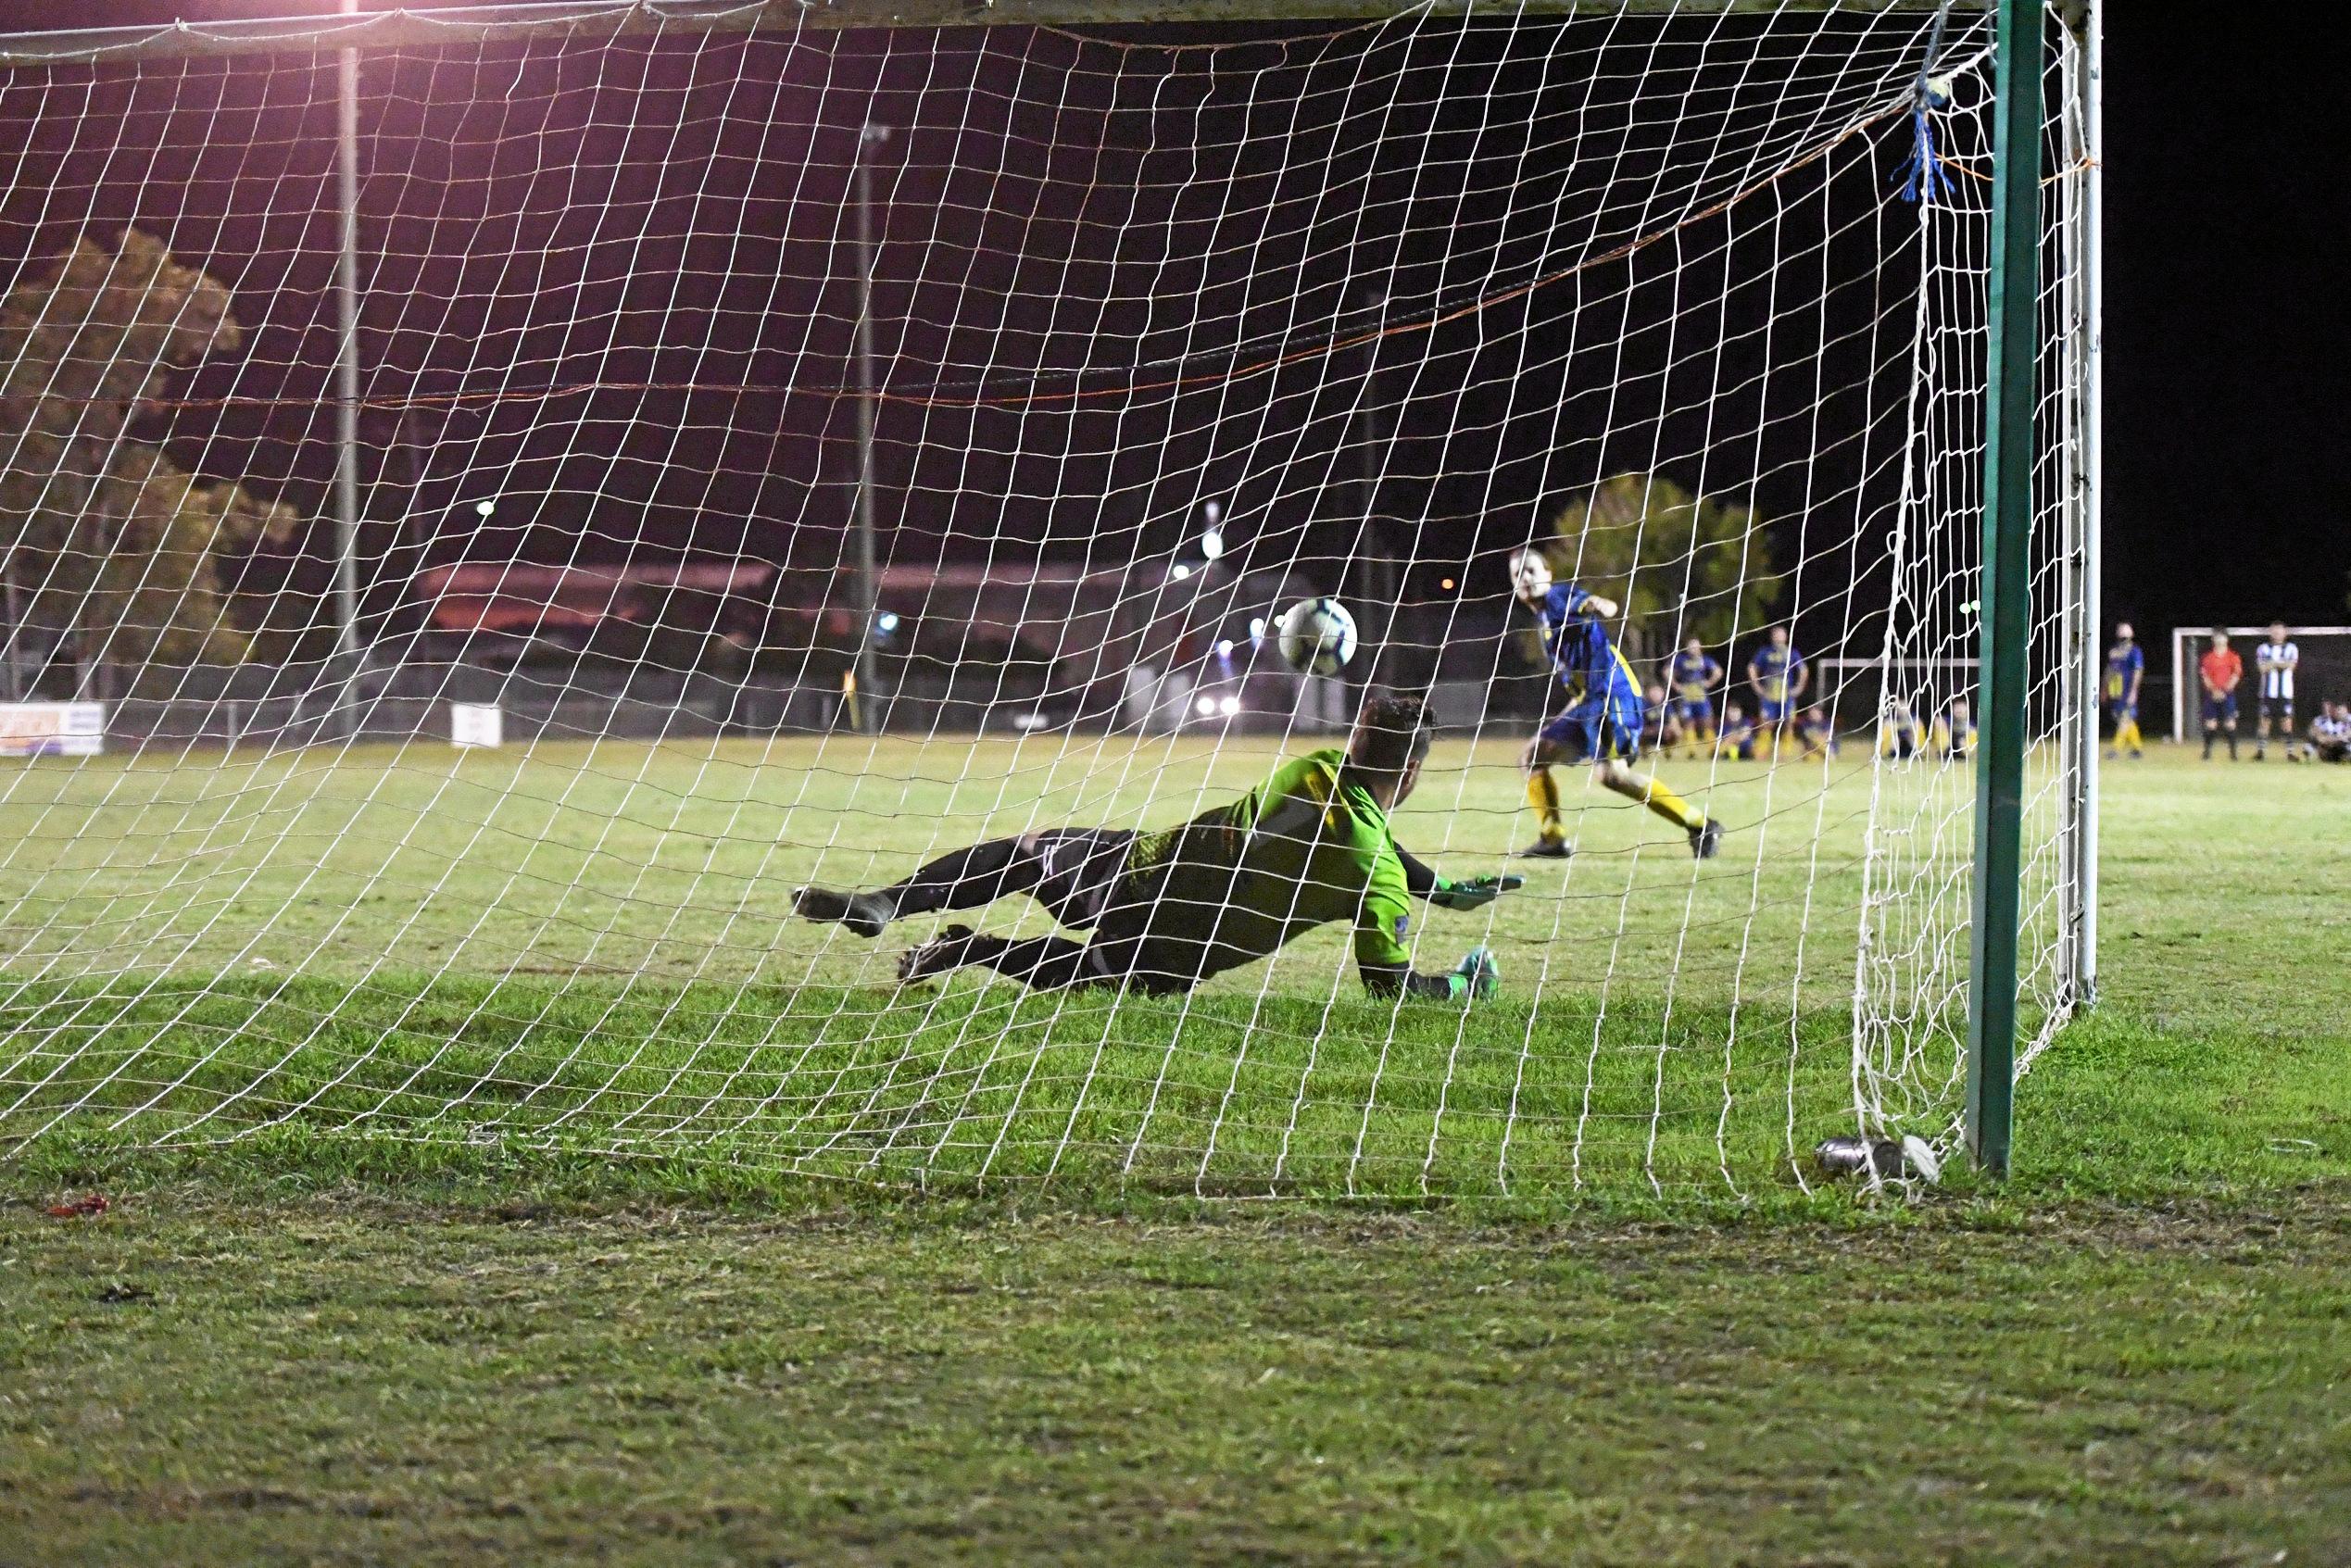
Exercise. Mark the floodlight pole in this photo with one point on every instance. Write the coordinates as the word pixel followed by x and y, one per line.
pixel 346 289
pixel 2008 565
pixel 868 717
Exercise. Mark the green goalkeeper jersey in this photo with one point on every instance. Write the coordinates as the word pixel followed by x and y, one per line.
pixel 1306 846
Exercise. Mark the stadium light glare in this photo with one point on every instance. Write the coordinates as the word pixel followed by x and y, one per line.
pixel 1446 584
pixel 886 621
pixel 1225 647
pixel 1228 704
pixel 1212 543
pixel 1180 572
pixel 1206 706
pixel 1257 630
pixel 483 509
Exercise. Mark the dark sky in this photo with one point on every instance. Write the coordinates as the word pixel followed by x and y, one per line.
pixel 2226 336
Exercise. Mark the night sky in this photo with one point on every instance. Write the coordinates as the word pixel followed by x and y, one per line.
pixel 2225 457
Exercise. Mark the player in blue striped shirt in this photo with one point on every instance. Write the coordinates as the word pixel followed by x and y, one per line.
pixel 1602 723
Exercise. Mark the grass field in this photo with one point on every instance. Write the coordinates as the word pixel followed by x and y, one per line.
pixel 590 947
pixel 308 1348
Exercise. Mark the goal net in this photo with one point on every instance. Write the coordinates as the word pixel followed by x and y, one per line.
pixel 494 504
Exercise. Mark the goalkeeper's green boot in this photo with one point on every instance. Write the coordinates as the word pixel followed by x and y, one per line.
pixel 1480 975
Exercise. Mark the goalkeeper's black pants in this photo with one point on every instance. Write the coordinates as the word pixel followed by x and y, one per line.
pixel 1073 872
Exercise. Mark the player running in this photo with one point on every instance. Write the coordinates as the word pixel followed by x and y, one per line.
pixel 1601 725
pixel 1309 845
pixel 1779 674
pixel 2126 667
pixel 2221 669
pixel 2275 662
pixel 1691 676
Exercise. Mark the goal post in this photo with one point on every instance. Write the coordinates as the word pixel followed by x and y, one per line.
pixel 497 501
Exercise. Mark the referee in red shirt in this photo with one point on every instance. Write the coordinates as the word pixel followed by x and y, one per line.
pixel 2221 670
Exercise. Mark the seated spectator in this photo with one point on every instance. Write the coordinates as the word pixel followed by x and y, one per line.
pixel 2331 733
pixel 1657 717
pixel 1737 735
pixel 1899 736
pixel 1955 730
pixel 1817 734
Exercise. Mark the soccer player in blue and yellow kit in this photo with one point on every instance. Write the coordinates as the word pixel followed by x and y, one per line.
pixel 1779 675
pixel 1691 679
pixel 2126 667
pixel 1601 725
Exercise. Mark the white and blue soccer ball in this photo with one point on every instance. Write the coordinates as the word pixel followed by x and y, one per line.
pixel 1317 636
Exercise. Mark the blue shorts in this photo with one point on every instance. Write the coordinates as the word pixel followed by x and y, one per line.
pixel 2221 710
pixel 1595 734
pixel 2123 712
pixel 1769 713
pixel 1696 711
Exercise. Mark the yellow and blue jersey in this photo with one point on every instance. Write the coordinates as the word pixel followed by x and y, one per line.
pixel 2125 663
pixel 1775 671
pixel 1596 677
pixel 1692 676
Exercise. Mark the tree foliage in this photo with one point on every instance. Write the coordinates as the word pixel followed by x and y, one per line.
pixel 1680 565
pixel 104 537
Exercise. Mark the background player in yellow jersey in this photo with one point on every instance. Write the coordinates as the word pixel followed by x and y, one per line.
pixel 1779 674
pixel 1691 676
pixel 1602 723
pixel 2126 668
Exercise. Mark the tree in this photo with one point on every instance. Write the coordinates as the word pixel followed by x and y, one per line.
pixel 103 538
pixel 1680 565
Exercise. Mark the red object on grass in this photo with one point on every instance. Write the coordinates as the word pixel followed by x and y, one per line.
pixel 80 1207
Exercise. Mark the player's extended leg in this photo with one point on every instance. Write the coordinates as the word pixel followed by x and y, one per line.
pixel 1542 793
pixel 2261 735
pixel 965 879
pixel 1705 836
pixel 1042 964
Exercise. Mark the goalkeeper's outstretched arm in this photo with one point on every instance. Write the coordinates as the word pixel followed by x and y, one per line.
pixel 1422 880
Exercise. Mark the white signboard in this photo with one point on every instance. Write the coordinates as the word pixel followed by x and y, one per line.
pixel 60 729
pixel 475 723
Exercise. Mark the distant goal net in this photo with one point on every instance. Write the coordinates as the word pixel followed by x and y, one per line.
pixel 494 505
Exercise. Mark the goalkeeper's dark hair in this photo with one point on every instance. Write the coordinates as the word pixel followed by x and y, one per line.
pixel 1390 734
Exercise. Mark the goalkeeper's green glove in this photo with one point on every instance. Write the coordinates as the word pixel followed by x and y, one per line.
pixel 1474 893
pixel 1477 976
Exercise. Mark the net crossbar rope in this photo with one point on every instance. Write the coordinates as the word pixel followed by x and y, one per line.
pixel 1168 330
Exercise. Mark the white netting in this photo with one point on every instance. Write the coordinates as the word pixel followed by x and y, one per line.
pixel 1169 330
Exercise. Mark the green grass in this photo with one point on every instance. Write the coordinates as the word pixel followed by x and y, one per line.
pixel 590 948
pixel 371 1331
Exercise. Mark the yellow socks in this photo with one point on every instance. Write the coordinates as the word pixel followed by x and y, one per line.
pixel 2126 735
pixel 1672 807
pixel 1543 794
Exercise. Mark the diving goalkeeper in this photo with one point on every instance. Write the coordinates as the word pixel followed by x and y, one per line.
pixel 1309 845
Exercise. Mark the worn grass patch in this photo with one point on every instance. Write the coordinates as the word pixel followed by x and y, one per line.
pixel 346 1380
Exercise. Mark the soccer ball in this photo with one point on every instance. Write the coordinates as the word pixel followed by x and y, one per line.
pixel 1317 636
